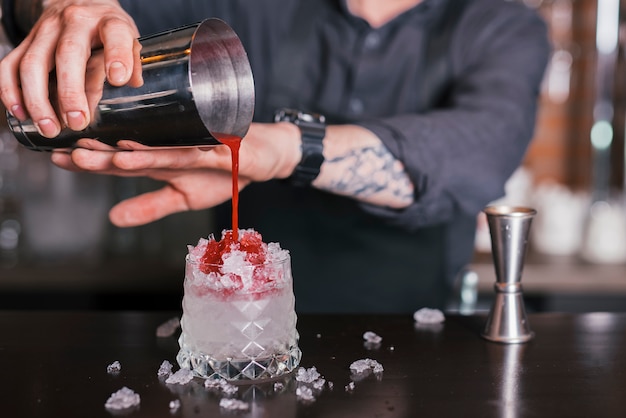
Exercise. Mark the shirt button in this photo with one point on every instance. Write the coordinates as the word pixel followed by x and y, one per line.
pixel 356 106
pixel 372 40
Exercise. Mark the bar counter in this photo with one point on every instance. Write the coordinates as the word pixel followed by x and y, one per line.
pixel 54 364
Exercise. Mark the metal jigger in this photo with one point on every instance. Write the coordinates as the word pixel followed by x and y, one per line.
pixel 509 227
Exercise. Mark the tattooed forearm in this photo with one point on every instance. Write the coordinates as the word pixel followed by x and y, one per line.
pixel 369 174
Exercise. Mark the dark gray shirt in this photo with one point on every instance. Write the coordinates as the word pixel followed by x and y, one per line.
pixel 455 102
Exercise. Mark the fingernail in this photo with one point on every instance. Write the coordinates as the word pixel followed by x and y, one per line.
pixel 47 128
pixel 76 120
pixel 18 112
pixel 117 72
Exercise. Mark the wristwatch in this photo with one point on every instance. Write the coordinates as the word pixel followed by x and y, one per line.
pixel 313 129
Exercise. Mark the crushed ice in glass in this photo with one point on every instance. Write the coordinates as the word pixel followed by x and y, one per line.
pixel 122 399
pixel 114 367
pixel 350 387
pixel 181 377
pixel 429 316
pixel 168 328
pixel 278 386
pixel 174 406
pixel 221 385
pixel 233 404
pixel 165 369
pixel 228 269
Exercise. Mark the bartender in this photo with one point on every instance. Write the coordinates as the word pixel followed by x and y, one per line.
pixel 381 128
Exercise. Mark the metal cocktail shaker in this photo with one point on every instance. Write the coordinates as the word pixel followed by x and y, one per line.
pixel 197 83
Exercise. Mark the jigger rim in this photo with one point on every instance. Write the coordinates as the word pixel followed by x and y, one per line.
pixel 507 210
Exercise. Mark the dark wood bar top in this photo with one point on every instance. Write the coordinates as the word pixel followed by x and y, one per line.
pixel 54 364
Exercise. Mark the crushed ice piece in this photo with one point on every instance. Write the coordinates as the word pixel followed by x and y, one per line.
pixel 391 348
pixel 310 384
pixel 165 369
pixel 372 337
pixel 330 384
pixel 181 377
pixel 318 383
pixel 305 375
pixel 221 385
pixel 168 328
pixel 429 316
pixel 229 389
pixel 278 386
pixel 350 387
pixel 213 383
pixel 174 406
pixel 122 399
pixel 366 365
pixel 114 367
pixel 304 393
pixel 233 404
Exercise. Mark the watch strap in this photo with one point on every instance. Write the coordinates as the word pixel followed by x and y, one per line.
pixel 313 130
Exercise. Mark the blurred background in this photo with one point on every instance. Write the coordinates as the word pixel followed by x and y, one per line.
pixel 59 251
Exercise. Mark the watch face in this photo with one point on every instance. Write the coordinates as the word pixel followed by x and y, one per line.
pixel 293 115
pixel 311 117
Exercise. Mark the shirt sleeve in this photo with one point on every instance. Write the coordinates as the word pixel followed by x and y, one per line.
pixel 460 155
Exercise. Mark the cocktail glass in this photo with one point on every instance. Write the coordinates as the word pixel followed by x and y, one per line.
pixel 245 332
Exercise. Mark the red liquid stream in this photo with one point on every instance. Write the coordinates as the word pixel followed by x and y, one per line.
pixel 233 142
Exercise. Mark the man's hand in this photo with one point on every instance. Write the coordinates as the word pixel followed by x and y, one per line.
pixel 194 178
pixel 62 41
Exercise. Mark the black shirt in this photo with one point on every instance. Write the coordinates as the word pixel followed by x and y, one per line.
pixel 450 87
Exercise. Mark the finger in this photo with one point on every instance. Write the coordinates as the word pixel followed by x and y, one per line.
pixel 97 162
pixel 120 50
pixel 94 144
pixel 95 77
pixel 102 162
pixel 185 158
pixel 63 159
pixel 92 160
pixel 34 72
pixel 72 53
pixel 130 145
pixel 81 160
pixel 10 91
pixel 148 207
pixel 136 79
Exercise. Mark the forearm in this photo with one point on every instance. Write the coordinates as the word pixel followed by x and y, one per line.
pixel 358 165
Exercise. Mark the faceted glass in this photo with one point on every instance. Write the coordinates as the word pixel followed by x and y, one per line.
pixel 239 334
